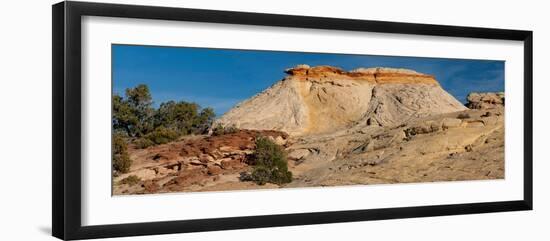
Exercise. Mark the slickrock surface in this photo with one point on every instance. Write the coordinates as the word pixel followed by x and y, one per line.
pixel 323 99
pixel 366 126
pixel 466 145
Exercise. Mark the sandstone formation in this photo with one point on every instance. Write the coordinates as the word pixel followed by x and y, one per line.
pixel 465 145
pixel 485 100
pixel 323 99
pixel 193 163
pixel 365 126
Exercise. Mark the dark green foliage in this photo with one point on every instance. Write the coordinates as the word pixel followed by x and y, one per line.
pixel 221 130
pixel 184 117
pixel 139 97
pixel 134 113
pixel 130 180
pixel 204 121
pixel 142 143
pixel 218 130
pixel 176 116
pixel 161 135
pixel 121 159
pixel 135 116
pixel 270 164
pixel 123 116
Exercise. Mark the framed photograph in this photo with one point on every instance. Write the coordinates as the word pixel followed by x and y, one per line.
pixel 171 120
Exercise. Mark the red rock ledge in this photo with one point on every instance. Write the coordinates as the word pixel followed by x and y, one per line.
pixel 376 75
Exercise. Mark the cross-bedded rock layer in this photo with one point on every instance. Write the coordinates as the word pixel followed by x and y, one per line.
pixel 324 99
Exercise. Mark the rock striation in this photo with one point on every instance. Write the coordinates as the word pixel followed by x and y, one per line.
pixel 323 99
pixel 365 126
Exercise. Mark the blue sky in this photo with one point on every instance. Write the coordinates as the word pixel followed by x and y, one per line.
pixel 220 78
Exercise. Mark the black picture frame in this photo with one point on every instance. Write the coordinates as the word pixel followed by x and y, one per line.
pixel 66 157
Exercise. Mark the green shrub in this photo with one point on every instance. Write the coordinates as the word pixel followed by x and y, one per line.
pixel 135 115
pixel 218 130
pixel 231 129
pixel 143 143
pixel 130 180
pixel 121 159
pixel 269 164
pixel 221 130
pixel 177 116
pixel 160 135
pixel 184 117
pixel 203 121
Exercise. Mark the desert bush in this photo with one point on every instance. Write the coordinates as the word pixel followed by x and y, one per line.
pixel 204 121
pixel 143 143
pixel 121 159
pixel 221 130
pixel 269 164
pixel 135 116
pixel 177 116
pixel 231 129
pixel 130 180
pixel 184 117
pixel 218 130
pixel 162 135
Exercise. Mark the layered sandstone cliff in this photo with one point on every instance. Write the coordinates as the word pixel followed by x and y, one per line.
pixel 365 126
pixel 324 99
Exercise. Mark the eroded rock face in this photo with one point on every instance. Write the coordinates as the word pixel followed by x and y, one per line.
pixel 366 126
pixel 376 75
pixel 464 145
pixel 324 99
pixel 193 163
pixel 487 100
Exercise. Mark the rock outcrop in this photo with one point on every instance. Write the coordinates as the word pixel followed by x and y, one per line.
pixel 486 100
pixel 323 99
pixel 465 145
pixel 193 163
pixel 365 126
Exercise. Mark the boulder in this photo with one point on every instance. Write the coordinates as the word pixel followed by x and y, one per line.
pixel 279 140
pixel 226 149
pixel 451 123
pixel 475 124
pixel 163 170
pixel 197 163
pixel 214 170
pixel 205 158
pixel 150 186
pixel 145 174
pixel 298 154
pixel 486 100
pixel 189 177
pixel 231 164
pixel 422 128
